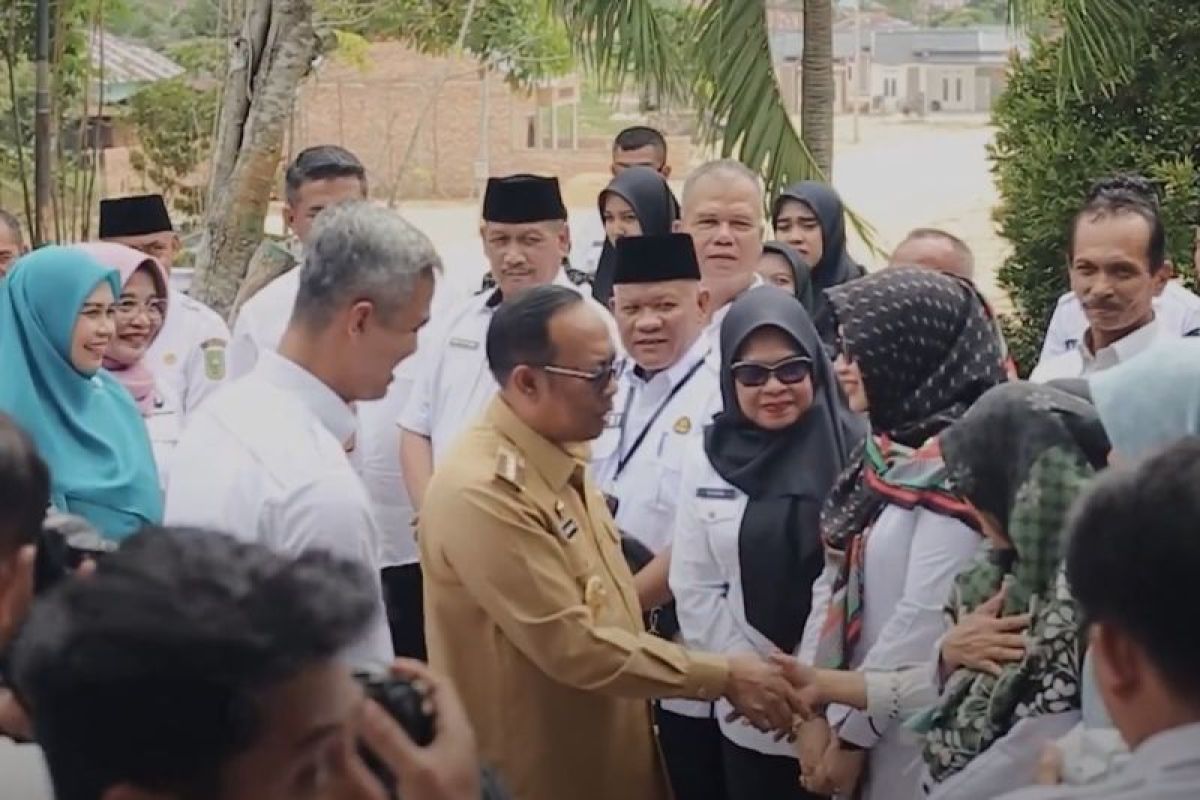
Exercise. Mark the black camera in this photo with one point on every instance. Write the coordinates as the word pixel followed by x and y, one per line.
pixel 64 544
pixel 406 704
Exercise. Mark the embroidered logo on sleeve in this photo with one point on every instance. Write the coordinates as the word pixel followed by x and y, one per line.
pixel 214 359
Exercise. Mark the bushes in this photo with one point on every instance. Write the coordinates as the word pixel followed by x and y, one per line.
pixel 1047 154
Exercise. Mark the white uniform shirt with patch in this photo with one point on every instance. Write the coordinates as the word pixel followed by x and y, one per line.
pixel 261 322
pixel 189 352
pixel 454 384
pixel 164 423
pixel 713 331
pixel 1176 309
pixel 265 460
pixel 1080 361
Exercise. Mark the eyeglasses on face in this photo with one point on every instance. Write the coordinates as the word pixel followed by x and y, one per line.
pixel 789 371
pixel 599 377
pixel 128 308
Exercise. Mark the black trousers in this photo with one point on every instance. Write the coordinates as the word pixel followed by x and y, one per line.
pixel 750 775
pixel 691 747
pixel 402 587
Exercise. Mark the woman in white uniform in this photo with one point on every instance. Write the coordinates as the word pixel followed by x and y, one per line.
pixel 140 312
pixel 916 350
pixel 747 543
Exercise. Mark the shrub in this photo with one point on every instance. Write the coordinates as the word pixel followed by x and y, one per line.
pixel 1050 147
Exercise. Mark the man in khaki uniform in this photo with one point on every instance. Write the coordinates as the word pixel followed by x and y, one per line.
pixel 530 607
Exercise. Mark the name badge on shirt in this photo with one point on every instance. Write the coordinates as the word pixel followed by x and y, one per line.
pixel 567 527
pixel 716 494
pixel 465 344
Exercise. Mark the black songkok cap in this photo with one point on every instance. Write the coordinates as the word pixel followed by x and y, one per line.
pixel 134 216
pixel 650 259
pixel 523 198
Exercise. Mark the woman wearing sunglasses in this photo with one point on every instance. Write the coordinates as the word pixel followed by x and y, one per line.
pixel 747 546
pixel 916 349
pixel 138 317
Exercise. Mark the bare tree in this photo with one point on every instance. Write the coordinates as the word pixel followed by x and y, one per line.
pixel 271 55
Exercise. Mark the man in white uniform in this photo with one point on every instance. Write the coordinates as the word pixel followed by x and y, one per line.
pixel 189 352
pixel 722 210
pixel 1117 266
pixel 1176 308
pixel 525 238
pixel 266 458
pixel 664 396
pixel 319 177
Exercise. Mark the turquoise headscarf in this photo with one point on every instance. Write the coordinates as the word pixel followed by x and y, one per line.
pixel 1152 400
pixel 86 427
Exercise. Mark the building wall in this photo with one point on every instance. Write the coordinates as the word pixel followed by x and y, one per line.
pixel 948 88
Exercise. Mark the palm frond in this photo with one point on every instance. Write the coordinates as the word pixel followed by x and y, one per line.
pixel 1100 38
pixel 741 107
pixel 623 39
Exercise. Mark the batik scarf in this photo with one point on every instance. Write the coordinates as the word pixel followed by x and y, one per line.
pixel 926 349
pixel 1023 454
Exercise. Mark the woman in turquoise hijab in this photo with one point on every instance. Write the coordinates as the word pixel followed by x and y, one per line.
pixel 56 320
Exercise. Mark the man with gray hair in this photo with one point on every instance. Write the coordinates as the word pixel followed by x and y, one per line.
pixel 722 209
pixel 266 458
pixel 936 249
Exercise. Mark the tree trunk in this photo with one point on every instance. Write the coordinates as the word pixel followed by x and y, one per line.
pixel 816 83
pixel 273 53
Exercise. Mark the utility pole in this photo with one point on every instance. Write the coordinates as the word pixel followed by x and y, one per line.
pixel 41 125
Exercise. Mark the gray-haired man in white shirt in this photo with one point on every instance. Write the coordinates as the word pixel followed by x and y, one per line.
pixel 267 457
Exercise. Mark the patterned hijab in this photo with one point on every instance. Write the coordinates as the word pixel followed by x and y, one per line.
pixel 1022 454
pixel 835 266
pixel 656 208
pixel 785 474
pixel 927 350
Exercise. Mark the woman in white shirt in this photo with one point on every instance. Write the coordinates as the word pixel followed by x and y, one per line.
pixel 139 314
pixel 747 545
pixel 916 350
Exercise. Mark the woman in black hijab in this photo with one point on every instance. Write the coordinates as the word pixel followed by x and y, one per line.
pixel 747 544
pixel 810 217
pixel 638 202
pixel 781 266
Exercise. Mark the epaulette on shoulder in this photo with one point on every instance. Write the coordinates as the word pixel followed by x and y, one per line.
pixel 510 467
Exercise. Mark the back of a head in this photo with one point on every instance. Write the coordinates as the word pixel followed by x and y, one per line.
pixel 360 251
pixel 724 169
pixel 321 163
pixel 638 136
pixel 150 671
pixel 519 332
pixel 1120 195
pixel 963 260
pixel 1132 552
pixel 24 488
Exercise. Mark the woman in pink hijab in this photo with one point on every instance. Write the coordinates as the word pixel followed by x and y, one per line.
pixel 140 312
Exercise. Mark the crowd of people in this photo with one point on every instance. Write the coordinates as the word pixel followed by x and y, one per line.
pixel 694 510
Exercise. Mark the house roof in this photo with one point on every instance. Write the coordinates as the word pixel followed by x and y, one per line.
pixel 894 44
pixel 127 64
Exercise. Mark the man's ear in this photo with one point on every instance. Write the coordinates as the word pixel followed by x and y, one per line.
pixel 360 312
pixel 1117 662
pixel 665 171
pixel 677 226
pixel 524 381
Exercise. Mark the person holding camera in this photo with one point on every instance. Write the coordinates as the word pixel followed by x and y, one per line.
pixel 194 665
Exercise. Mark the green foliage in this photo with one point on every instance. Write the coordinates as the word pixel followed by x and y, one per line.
pixel 521 36
pixel 174 123
pixel 1050 148
pixel 159 23
pixel 202 56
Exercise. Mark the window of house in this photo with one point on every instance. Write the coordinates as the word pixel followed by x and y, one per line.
pixel 946 90
pixel 958 90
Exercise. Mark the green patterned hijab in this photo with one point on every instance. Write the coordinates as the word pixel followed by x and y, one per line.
pixel 1023 454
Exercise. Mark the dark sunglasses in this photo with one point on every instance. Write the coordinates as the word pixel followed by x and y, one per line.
pixel 788 372
pixel 599 377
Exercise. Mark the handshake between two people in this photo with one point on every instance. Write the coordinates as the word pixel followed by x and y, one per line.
pixel 772 694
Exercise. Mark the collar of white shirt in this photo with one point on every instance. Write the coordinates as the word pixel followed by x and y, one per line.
pixel 334 413
pixel 492 299
pixel 714 327
pixel 1123 349
pixel 1169 747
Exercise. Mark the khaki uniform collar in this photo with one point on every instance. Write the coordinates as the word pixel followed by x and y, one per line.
pixel 557 463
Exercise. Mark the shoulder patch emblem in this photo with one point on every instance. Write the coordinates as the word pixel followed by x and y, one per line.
pixel 510 468
pixel 214 359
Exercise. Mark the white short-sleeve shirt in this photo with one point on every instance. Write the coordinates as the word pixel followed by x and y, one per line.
pixel 1080 361
pixel 265 460
pixel 261 322
pixel 190 352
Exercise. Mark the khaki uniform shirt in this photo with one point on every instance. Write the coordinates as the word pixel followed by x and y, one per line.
pixel 531 610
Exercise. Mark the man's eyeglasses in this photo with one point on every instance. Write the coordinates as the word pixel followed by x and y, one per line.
pixel 599 377
pixel 789 371
pixel 129 308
